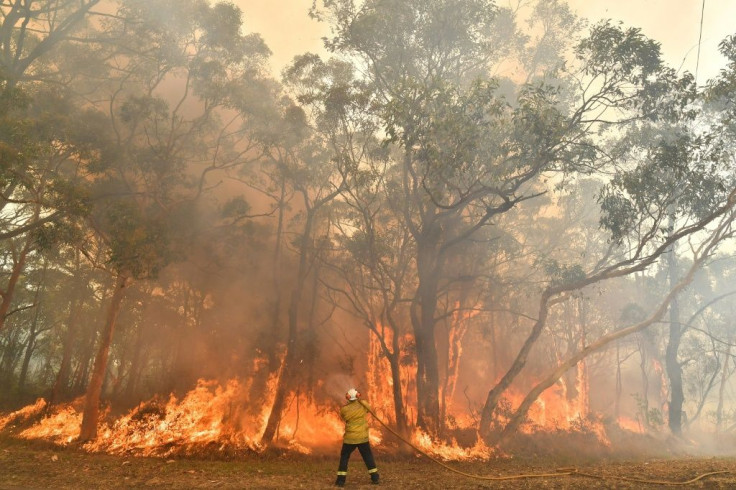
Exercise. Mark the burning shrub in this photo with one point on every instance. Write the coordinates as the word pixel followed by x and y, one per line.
pixel 24 415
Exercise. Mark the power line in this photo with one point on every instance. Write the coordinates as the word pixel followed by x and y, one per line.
pixel 700 38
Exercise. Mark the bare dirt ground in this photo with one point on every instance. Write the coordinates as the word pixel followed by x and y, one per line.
pixel 34 465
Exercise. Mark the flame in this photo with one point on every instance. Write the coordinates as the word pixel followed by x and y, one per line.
pixel 216 416
pixel 61 427
pixel 210 415
pixel 553 412
pixel 306 425
pixel 23 414
pixel 458 329
pixel 206 414
pixel 452 451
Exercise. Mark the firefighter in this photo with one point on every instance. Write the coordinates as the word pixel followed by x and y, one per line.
pixel 356 436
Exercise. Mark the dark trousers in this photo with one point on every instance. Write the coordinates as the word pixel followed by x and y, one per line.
pixel 365 452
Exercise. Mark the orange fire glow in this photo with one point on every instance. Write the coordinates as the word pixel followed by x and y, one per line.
pixel 23 414
pixel 62 427
pixel 453 451
pixel 553 412
pixel 208 416
pixel 215 417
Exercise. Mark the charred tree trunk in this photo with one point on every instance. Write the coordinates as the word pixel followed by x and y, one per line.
pixel 286 374
pixel 428 407
pixel 423 322
pixel 270 337
pixel 394 359
pixel 399 407
pixel 88 430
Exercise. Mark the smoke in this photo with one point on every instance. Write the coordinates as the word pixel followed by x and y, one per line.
pixel 336 385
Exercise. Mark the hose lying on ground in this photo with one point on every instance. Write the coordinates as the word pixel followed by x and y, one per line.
pixel 558 473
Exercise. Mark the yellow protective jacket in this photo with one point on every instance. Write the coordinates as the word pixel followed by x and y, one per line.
pixel 356 426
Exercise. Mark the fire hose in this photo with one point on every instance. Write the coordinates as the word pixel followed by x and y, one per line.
pixel 568 471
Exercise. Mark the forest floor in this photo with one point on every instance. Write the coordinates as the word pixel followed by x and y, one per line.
pixel 37 465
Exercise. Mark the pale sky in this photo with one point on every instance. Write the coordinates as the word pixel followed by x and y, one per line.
pixel 288 31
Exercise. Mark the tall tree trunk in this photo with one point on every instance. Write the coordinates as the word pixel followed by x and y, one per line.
pixel 428 407
pixel 33 333
pixel 86 356
pixel 286 374
pixel 643 366
pixel 674 370
pixel 398 396
pixel 136 366
pixel 722 388
pixel 423 321
pixel 88 430
pixel 394 359
pixel 61 384
pixel 6 296
pixel 271 336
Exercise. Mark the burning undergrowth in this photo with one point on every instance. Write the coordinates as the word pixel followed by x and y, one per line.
pixel 212 421
pixel 209 419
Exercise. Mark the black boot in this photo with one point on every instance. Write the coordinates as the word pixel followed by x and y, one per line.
pixel 374 478
pixel 340 482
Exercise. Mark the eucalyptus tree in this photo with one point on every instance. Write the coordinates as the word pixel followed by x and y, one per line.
pixel 370 255
pixel 36 114
pixel 662 164
pixel 315 175
pixel 469 148
pixel 43 140
pixel 422 67
pixel 30 32
pixel 706 350
pixel 170 115
pixel 688 171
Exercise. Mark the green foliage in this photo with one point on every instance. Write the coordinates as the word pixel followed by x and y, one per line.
pixel 653 417
pixel 675 176
pixel 626 53
pixel 236 207
pixel 562 274
pixel 436 30
pixel 141 244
